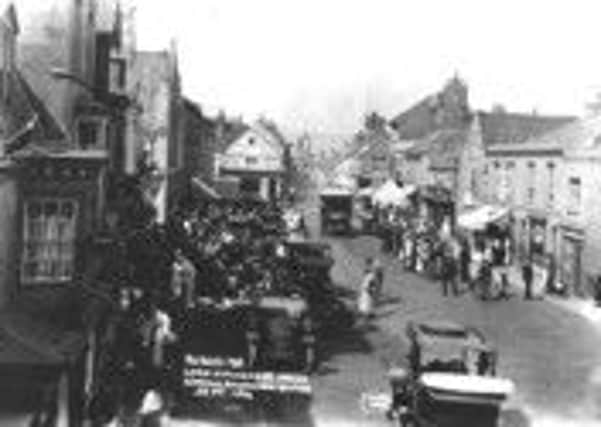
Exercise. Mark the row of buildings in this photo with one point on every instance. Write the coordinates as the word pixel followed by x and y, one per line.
pixel 545 169
pixel 97 139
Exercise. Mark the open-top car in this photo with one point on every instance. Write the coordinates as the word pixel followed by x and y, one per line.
pixel 310 263
pixel 451 380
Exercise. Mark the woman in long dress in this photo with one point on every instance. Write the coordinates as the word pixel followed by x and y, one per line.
pixel 365 303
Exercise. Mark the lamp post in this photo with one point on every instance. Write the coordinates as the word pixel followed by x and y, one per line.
pixel 62 74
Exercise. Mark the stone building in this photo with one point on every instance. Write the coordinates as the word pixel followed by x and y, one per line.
pixel 556 210
pixel 60 135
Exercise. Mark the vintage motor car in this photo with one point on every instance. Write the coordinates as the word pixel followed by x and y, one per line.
pixel 336 210
pixel 310 263
pixel 451 380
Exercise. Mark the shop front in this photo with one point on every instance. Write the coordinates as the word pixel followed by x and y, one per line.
pixel 542 260
pixel 570 264
pixel 438 206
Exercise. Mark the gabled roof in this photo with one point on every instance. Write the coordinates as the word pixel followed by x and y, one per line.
pixel 272 128
pixel 515 128
pixel 447 108
pixel 417 121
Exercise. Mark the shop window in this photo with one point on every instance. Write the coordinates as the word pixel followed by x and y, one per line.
pixel 48 240
pixel 531 193
pixel 574 196
pixel 537 237
pixel 251 160
pixel 551 169
pixel 250 185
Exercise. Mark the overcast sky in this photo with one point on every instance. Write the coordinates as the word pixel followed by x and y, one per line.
pixel 320 64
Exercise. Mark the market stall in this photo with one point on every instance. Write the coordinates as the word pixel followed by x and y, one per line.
pixel 486 230
pixel 391 194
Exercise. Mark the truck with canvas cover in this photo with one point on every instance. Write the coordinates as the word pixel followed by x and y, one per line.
pixel 336 210
pixel 245 360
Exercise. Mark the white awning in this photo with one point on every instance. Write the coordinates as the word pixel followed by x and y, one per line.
pixel 366 192
pixel 391 194
pixel 335 191
pixel 480 217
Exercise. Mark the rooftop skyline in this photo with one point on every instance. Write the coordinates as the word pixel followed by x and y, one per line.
pixel 321 65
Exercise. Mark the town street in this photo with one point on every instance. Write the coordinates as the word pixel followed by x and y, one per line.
pixel 534 339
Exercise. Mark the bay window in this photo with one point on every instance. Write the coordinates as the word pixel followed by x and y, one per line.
pixel 48 240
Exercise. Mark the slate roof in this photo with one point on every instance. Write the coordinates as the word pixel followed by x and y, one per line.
pixel 422 118
pixel 576 135
pixel 21 109
pixel 515 128
pixel 35 60
pixel 417 121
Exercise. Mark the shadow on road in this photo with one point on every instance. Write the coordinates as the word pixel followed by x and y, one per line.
pixel 351 340
pixel 514 418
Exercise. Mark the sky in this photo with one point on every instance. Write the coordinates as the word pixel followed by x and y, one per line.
pixel 320 65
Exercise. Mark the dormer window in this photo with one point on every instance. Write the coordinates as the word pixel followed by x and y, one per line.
pixel 117 75
pixel 91 132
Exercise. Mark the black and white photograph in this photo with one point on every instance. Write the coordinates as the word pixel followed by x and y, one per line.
pixel 316 213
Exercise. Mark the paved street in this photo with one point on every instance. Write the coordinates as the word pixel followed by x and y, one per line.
pixel 550 353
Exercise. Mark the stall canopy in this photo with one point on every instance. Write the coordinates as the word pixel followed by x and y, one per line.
pixel 391 194
pixel 480 217
pixel 366 192
pixel 335 191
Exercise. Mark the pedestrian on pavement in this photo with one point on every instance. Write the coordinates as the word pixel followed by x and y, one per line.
pixel 464 262
pixel 378 270
pixel 527 276
pixel 449 275
pixel 365 301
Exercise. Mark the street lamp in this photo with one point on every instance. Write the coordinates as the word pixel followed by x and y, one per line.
pixel 62 74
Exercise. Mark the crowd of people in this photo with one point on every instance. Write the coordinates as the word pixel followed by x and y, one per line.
pixel 214 253
pixel 477 261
